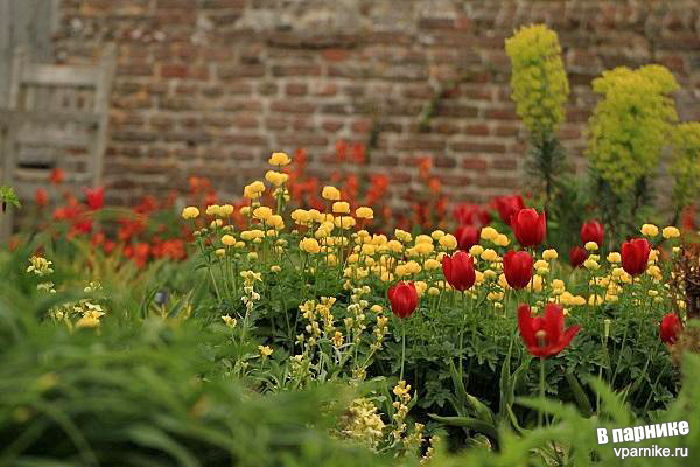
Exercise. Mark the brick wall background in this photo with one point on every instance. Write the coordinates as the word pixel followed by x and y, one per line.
pixel 212 87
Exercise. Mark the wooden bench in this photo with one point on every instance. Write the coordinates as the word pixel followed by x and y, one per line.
pixel 56 118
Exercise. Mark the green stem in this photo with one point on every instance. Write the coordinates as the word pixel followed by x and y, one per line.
pixel 403 347
pixel 542 389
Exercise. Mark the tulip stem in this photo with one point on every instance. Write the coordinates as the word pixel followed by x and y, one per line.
pixel 542 390
pixel 403 347
pixel 461 335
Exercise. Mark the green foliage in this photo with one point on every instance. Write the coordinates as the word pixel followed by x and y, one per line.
pixel 539 83
pixel 8 196
pixel 630 125
pixel 686 164
pixel 148 393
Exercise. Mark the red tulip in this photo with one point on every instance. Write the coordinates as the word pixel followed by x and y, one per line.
pixel 669 328
pixel 41 197
pixel 530 228
pixel 635 254
pixel 472 214
pixel 459 270
pixel 403 298
pixel 509 205
pixel 517 267
pixel 577 256
pixel 467 236
pixel 592 231
pixel 95 199
pixel 545 336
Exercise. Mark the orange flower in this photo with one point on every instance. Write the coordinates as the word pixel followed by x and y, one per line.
pixel 57 176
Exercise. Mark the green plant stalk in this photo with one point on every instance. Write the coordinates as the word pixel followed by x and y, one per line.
pixel 403 347
pixel 461 335
pixel 542 389
pixel 624 340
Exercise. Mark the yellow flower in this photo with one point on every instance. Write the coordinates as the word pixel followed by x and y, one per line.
pixel 413 267
pixel 245 211
pixel 501 240
pixel 655 272
pixel 39 266
pixel 252 255
pixel 276 221
pixel 476 250
pixel 309 245
pixel 228 240
pixel 89 320
pixel 591 246
pixel 265 351
pixel 276 178
pixel 228 321
pixel 395 246
pixel 489 255
pixel 650 230
pixel 301 216
pixel 190 212
pixel 364 213
pixel 424 248
pixel 431 264
pixel 433 291
pixel 220 252
pixel 252 193
pixel 550 254
pixel 438 234
pixel 671 232
pixel 423 239
pixel 226 210
pixel 376 309
pixel 275 268
pixel 263 213
pixel 341 207
pixel 331 193
pixel 279 159
pixel 595 300
pixel 591 263
pixel 448 241
pixel 345 222
pixel 489 233
pixel 614 257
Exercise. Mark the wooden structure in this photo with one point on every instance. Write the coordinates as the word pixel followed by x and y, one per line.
pixel 56 117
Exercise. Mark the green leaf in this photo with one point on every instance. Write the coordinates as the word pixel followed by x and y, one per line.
pixel 468 422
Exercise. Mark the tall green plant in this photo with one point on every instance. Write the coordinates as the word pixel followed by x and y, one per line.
pixel 540 89
pixel 628 130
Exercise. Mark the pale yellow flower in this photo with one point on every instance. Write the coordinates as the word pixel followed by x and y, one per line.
pixel 190 212
pixel 330 193
pixel 650 230
pixel 489 233
pixel 550 254
pixel 279 159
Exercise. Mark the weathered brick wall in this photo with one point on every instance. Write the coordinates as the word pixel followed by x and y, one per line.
pixel 211 87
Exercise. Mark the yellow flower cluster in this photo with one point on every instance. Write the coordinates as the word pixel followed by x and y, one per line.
pixel 539 83
pixel 631 124
pixel 39 266
pixel 215 210
pixel 363 423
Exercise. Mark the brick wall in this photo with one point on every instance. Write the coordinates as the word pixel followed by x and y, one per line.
pixel 211 87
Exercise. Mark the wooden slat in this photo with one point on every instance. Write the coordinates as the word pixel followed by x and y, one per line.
pixel 59 75
pixel 52 137
pixel 49 117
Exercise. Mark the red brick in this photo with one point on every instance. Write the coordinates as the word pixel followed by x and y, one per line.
pixel 474 164
pixel 296 89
